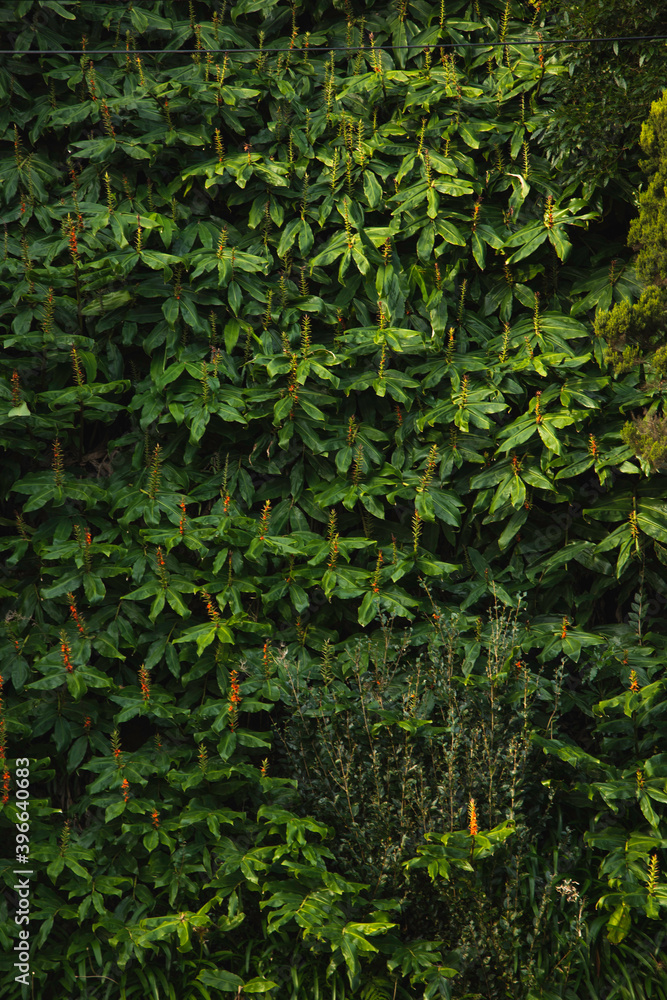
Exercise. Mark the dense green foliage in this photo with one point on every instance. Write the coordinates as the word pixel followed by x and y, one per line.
pixel 610 86
pixel 649 229
pixel 334 606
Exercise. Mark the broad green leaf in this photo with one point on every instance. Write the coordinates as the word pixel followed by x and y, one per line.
pixel 372 189
pixel 619 924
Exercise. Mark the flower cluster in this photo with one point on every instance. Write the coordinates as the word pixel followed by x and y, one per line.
pixel 425 480
pixel 65 836
pixel 154 473
pixel 106 118
pixel 653 871
pixel 144 681
pixel 57 464
pixel 161 568
pixel 73 245
pixel 115 748
pixel 77 617
pixel 79 376
pixel 65 652
pixel 634 527
pixel 472 810
pixel 219 147
pixel 16 389
pixel 375 585
pixel 234 700
pixel 265 519
pixel 211 608
pixel 416 530
pixel 569 890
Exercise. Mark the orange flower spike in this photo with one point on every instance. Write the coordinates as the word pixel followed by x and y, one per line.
pixel 57 463
pixel 5 786
pixel 375 585
pixel 126 789
pixel 566 622
pixel 116 749
pixel 265 519
pixel 73 246
pixel 634 684
pixel 234 700
pixel 211 608
pixel 16 389
pixel 144 680
pixel 76 617
pixel 473 818
pixel 333 552
pixel 65 651
pixel 156 819
pixel 235 697
pixel 162 567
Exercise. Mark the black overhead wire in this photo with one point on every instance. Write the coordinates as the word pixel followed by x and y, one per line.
pixel 421 46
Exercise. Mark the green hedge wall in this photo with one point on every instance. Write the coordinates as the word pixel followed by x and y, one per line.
pixel 321 527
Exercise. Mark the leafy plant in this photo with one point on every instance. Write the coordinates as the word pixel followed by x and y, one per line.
pixel 297 330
